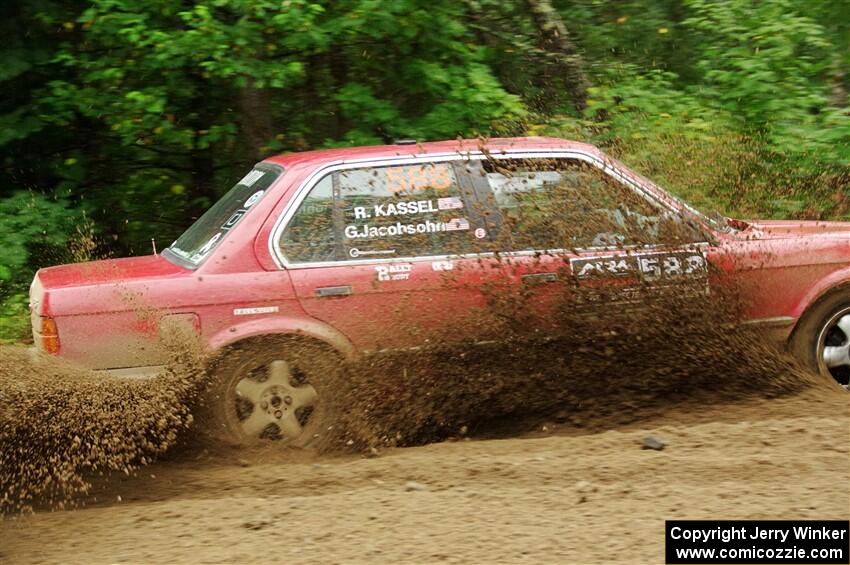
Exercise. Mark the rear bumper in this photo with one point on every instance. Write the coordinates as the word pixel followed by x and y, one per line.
pixel 37 355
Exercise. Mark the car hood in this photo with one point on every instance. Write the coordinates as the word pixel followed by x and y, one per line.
pixel 108 271
pixel 785 229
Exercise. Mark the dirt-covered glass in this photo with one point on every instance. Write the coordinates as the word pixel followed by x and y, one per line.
pixel 206 233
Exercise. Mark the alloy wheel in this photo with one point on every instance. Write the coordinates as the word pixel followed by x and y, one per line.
pixel 274 402
pixel 834 347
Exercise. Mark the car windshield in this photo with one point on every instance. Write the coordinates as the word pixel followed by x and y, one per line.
pixel 209 230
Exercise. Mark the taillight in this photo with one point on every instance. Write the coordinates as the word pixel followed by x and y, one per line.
pixel 49 335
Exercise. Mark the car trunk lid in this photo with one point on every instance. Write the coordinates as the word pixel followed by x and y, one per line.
pixel 110 270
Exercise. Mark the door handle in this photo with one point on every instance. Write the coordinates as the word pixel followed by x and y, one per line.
pixel 537 278
pixel 333 291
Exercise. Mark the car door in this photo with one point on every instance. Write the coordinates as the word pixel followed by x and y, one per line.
pixel 580 237
pixel 386 252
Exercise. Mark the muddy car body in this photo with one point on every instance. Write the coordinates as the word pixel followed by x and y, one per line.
pixel 389 223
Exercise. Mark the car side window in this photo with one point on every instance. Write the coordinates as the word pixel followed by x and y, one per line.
pixel 310 236
pixel 382 212
pixel 567 204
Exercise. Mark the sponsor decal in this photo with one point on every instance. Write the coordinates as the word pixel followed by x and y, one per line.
pixel 202 252
pixel 400 272
pixel 442 265
pixel 449 203
pixel 253 198
pixel 231 221
pixel 648 267
pixel 407 208
pixel 251 178
pixel 660 270
pixel 392 230
pixel 260 310
pixel 354 252
pixel 457 224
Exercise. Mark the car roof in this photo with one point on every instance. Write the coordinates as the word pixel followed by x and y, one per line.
pixel 343 154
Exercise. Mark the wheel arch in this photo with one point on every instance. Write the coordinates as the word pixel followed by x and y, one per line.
pixel 817 295
pixel 309 330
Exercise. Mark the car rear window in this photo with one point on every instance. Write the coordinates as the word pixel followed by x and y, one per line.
pixel 209 230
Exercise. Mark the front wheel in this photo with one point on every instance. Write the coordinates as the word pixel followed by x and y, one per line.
pixel 822 338
pixel 269 391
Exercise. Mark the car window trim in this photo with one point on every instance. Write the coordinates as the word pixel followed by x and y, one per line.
pixel 307 185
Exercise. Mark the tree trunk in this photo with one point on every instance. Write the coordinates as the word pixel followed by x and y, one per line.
pixel 255 120
pixel 562 52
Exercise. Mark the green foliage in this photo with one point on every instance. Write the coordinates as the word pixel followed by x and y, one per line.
pixel 635 105
pixel 35 232
pixel 688 145
pixel 765 63
pixel 14 319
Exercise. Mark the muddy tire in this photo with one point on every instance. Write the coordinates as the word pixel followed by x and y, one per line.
pixel 821 339
pixel 269 390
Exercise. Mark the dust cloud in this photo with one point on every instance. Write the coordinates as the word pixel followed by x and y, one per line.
pixel 60 424
pixel 598 367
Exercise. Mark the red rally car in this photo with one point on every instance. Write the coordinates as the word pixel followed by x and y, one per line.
pixel 327 247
